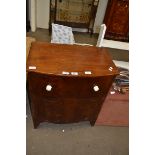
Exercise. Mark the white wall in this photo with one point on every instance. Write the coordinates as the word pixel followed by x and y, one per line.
pixel 33 15
pixel 100 15
pixel 40 14
pixel 43 13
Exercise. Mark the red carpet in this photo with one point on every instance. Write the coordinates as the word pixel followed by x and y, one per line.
pixel 115 110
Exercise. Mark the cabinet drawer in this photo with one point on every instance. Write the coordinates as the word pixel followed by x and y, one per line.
pixel 50 110
pixel 67 110
pixel 64 86
pixel 44 85
pixel 85 87
pixel 54 110
pixel 89 108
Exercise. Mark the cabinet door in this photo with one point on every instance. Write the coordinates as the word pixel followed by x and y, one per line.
pixel 117 20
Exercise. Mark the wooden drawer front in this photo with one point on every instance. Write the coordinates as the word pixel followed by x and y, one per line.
pixel 117 20
pixel 39 82
pixel 60 110
pixel 67 110
pixel 48 110
pixel 68 86
pixel 88 109
pixel 54 110
pixel 84 87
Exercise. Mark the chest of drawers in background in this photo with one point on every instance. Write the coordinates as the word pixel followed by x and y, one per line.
pixel 68 83
pixel 117 20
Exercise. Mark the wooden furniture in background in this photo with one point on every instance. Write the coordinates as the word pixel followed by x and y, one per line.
pixel 73 13
pixel 59 88
pixel 117 20
pixel 27 16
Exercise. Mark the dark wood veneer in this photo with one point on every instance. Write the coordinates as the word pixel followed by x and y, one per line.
pixel 117 20
pixel 72 98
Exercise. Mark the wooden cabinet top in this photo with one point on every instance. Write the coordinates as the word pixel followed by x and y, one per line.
pixel 69 60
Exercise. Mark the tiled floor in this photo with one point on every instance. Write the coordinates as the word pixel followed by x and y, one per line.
pixel 80 138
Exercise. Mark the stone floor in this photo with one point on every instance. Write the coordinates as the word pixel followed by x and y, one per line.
pixel 79 138
pixel 75 139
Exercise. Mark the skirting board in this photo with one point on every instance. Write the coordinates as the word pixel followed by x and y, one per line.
pixel 79 30
pixel 116 44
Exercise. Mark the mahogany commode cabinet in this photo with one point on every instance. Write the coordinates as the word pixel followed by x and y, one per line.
pixel 68 83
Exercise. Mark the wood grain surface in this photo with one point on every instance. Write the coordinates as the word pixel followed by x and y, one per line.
pixel 55 58
pixel 72 98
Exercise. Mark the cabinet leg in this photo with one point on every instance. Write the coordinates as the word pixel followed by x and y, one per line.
pixel 92 122
pixel 91 32
pixel 50 29
pixel 36 124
